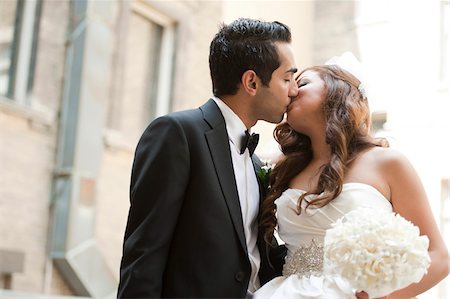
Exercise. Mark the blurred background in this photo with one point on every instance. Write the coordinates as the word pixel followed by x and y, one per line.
pixel 81 79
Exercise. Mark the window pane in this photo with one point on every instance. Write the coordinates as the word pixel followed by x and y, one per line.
pixel 8 11
pixel 141 75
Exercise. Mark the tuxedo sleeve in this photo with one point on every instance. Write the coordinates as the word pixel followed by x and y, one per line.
pixel 158 181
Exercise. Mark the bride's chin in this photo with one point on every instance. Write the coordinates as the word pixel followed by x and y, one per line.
pixel 291 125
pixel 295 127
pixel 290 120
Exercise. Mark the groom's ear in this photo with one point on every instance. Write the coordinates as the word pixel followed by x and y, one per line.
pixel 249 82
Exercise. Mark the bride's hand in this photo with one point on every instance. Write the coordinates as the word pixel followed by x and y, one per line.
pixel 364 295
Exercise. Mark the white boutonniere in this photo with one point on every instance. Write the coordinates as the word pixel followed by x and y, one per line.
pixel 264 173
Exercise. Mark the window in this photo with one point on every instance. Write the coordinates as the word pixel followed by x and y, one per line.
pixel 142 81
pixel 17 47
pixel 8 14
pixel 445 54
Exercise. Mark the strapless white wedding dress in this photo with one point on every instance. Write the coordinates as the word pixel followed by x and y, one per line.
pixel 303 235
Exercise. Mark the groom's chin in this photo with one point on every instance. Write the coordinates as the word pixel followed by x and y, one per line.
pixel 277 120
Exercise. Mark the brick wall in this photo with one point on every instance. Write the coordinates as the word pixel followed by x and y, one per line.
pixel 27 154
pixel 26 164
pixel 28 141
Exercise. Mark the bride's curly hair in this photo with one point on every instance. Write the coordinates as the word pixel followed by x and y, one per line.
pixel 347 132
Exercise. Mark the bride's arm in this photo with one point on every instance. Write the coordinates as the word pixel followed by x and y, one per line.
pixel 409 199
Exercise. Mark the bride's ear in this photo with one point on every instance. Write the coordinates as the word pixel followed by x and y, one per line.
pixel 250 82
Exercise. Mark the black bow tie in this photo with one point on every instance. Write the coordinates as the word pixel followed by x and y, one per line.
pixel 250 142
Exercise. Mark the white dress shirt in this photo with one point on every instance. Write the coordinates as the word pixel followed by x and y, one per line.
pixel 247 186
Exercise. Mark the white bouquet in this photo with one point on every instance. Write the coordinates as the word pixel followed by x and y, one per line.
pixel 376 251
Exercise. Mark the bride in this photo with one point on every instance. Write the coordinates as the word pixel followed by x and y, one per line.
pixel 332 165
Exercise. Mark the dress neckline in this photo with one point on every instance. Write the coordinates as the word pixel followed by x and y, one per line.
pixel 349 184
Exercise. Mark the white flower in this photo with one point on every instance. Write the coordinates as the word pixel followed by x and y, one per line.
pixel 376 251
pixel 264 173
pixel 267 166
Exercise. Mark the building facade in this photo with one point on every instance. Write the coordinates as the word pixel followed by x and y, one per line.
pixel 80 80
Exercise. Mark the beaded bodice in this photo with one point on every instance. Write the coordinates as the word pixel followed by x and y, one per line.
pixel 303 234
pixel 306 260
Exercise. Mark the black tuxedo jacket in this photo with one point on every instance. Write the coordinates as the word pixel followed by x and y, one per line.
pixel 184 236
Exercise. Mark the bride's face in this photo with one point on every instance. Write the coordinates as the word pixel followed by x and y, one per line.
pixel 305 113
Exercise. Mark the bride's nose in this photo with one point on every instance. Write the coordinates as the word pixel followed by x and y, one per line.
pixel 293 89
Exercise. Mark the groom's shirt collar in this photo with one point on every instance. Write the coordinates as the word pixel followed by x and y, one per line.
pixel 235 127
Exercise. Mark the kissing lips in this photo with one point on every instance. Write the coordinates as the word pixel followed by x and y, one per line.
pixel 289 107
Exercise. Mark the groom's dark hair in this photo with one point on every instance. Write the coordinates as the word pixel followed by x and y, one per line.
pixel 245 44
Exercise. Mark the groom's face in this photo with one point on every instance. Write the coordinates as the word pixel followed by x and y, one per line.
pixel 274 99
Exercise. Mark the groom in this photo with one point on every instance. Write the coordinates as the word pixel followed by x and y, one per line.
pixel 192 226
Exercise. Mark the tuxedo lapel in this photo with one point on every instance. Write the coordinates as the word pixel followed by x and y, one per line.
pixel 219 147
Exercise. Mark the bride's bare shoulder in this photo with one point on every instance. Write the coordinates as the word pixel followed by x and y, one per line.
pixel 382 161
pixel 391 162
pixel 384 155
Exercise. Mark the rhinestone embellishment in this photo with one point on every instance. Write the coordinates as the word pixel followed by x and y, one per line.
pixel 305 261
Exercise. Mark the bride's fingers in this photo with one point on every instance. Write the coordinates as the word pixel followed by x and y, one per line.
pixel 362 295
